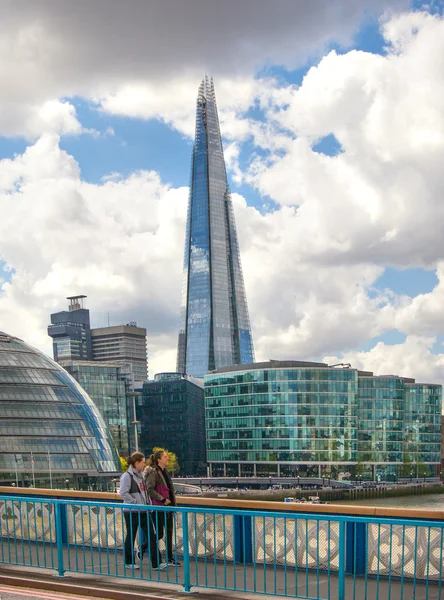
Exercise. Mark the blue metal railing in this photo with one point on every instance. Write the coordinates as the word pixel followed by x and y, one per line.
pixel 322 556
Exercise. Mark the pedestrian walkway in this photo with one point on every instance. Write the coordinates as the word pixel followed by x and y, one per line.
pixel 101 570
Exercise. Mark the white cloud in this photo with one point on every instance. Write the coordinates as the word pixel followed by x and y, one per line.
pixel 413 358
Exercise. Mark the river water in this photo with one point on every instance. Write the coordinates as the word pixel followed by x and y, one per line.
pixel 426 502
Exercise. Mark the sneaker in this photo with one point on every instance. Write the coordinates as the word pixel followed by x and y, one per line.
pixel 161 567
pixel 174 563
pixel 135 567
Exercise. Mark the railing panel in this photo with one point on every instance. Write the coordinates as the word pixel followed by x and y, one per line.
pixel 295 541
pixel 411 552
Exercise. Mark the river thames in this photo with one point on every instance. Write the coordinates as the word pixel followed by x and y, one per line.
pixel 427 502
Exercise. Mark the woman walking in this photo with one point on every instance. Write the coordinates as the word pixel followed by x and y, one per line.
pixel 133 491
pixel 160 489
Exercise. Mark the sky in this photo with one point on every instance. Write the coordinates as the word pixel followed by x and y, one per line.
pixel 332 116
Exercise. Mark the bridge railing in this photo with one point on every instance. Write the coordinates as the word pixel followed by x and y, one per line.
pixel 289 553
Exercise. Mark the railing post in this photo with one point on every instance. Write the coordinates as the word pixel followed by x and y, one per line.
pixel 341 574
pixel 59 539
pixel 186 554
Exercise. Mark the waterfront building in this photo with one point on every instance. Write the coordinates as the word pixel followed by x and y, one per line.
pixel 381 403
pixel 171 413
pixel 422 415
pixel 70 331
pixel 215 327
pixel 281 418
pixel 107 386
pixel 442 447
pixel 49 427
pixel 301 418
pixel 124 345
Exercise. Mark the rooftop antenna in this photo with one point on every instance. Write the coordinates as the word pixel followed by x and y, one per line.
pixel 108 320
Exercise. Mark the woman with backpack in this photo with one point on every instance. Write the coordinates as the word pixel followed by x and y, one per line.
pixel 133 491
pixel 160 489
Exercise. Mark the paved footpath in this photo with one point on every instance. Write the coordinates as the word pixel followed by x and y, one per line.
pixel 13 593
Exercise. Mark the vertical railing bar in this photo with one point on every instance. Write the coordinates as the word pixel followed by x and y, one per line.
pixel 265 554
pixel 34 512
pixel 306 556
pixel 428 564
pixel 296 553
pixel 402 562
pixel 7 532
pixel 51 511
pixel 440 561
pixel 186 554
pixel 74 514
pixel 225 550
pixel 328 559
pixel 114 512
pixel 390 563
pixel 317 559
pixel 83 538
pixel 175 543
pixel 254 550
pixel 285 556
pixel 105 509
pixel 341 574
pixel 59 539
pixel 274 554
pixel 215 547
pixel 205 548
pixel 99 540
pixel 415 560
pixel 378 560
pixel 15 534
pixel 90 540
pixel 43 536
pixel 22 536
pixel 196 546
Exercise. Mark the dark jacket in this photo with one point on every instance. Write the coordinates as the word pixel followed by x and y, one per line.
pixel 155 476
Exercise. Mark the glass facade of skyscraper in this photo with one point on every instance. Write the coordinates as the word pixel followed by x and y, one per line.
pixel 171 413
pixel 48 424
pixel 381 425
pixel 294 418
pixel 423 407
pixel 106 386
pixel 215 327
pixel 281 417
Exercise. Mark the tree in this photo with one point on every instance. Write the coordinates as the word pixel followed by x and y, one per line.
pixel 123 464
pixel 173 462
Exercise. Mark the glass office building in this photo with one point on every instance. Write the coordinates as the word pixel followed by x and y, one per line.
pixel 107 387
pixel 215 327
pixel 281 418
pixel 381 408
pixel 171 413
pixel 296 418
pixel 49 427
pixel 423 408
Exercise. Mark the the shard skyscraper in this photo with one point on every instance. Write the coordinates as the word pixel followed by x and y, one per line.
pixel 215 327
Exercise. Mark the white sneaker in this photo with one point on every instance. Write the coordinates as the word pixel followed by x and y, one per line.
pixel 161 567
pixel 135 567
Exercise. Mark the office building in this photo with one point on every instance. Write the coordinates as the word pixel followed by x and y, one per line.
pixel 49 427
pixel 106 385
pixel 124 345
pixel 281 418
pixel 423 408
pixel 171 413
pixel 70 331
pixel 301 418
pixel 215 327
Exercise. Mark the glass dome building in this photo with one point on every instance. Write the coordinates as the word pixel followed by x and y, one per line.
pixel 49 426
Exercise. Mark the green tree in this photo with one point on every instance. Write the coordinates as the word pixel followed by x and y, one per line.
pixel 173 462
pixel 123 464
pixel 407 465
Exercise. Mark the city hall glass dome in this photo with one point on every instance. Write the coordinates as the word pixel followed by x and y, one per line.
pixel 48 424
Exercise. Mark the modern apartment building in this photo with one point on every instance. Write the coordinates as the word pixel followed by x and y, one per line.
pixel 124 345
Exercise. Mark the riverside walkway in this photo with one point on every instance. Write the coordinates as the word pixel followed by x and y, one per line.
pixel 227 548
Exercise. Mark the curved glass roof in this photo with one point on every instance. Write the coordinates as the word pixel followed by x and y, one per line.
pixel 47 419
